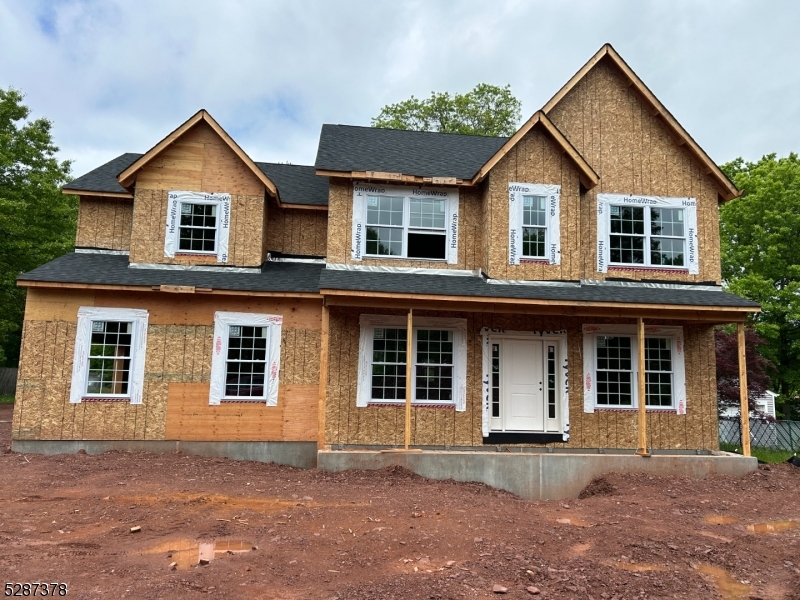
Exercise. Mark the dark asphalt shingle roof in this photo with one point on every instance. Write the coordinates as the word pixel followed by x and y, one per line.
pixel 454 285
pixel 104 177
pixel 297 184
pixel 111 269
pixel 422 153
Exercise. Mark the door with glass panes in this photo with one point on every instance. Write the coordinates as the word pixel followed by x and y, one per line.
pixel 524 394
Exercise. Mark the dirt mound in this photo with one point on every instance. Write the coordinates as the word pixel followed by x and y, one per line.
pixel 599 486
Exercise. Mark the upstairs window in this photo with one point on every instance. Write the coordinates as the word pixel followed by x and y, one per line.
pixel 647 232
pixel 534 226
pixel 405 223
pixel 198 231
pixel 406 227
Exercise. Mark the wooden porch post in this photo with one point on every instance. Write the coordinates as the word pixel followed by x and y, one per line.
pixel 642 451
pixel 409 365
pixel 323 376
pixel 745 408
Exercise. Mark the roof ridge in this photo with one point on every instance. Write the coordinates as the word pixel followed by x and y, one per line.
pixel 472 135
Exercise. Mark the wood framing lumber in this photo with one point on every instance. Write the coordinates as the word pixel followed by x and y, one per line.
pixel 323 374
pixel 642 383
pixel 409 374
pixel 744 405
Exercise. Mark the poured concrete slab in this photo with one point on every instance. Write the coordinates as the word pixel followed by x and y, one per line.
pixel 535 476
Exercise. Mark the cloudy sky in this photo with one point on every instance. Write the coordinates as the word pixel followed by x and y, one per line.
pixel 117 75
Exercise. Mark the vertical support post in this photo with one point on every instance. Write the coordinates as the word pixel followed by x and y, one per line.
pixel 745 408
pixel 409 365
pixel 642 451
pixel 323 375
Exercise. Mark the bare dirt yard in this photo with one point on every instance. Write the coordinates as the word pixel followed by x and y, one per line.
pixel 275 532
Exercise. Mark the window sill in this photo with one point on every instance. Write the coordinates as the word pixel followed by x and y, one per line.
pixel 243 400
pixel 104 399
pixel 669 411
pixel 533 261
pixel 393 257
pixel 678 270
pixel 413 405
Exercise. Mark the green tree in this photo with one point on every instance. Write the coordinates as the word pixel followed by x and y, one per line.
pixel 485 110
pixel 760 237
pixel 37 222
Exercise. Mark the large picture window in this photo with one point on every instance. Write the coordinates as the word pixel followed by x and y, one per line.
pixel 611 364
pixel 108 361
pixel 245 360
pixel 438 362
pixel 405 222
pixel 647 232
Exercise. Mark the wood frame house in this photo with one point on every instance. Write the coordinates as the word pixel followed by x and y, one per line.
pixel 556 289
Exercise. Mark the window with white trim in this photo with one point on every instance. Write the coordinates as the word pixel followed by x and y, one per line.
pixel 109 354
pixel 534 226
pixel 438 367
pixel 406 227
pixel 648 236
pixel 534 223
pixel 245 360
pixel 198 228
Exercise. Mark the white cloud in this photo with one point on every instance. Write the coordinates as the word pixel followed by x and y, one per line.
pixel 117 76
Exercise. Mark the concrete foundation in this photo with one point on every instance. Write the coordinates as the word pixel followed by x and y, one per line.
pixel 536 476
pixel 294 454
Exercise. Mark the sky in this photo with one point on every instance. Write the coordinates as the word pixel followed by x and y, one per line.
pixel 117 76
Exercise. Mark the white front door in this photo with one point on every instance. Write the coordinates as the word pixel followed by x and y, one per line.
pixel 522 404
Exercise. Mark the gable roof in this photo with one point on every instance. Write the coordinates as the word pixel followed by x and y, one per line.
pixel 727 190
pixel 102 181
pixel 348 148
pixel 127 176
pixel 589 178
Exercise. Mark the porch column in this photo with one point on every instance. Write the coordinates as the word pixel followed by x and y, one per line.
pixel 323 375
pixel 642 451
pixel 745 408
pixel 409 365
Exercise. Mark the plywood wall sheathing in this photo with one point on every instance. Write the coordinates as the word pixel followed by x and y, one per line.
pixel 179 341
pixel 104 223
pixel 296 231
pixel 346 424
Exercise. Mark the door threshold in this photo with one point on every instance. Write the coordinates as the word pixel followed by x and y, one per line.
pixel 503 437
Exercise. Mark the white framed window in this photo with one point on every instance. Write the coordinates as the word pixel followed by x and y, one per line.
pixel 109 354
pixel 246 358
pixel 649 232
pixel 197 223
pixel 439 361
pixel 405 222
pixel 611 355
pixel 533 223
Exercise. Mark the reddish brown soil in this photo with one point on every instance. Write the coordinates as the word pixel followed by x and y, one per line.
pixel 385 534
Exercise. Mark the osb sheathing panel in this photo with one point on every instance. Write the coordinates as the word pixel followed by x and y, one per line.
pixel 633 153
pixel 104 223
pixel 346 424
pixel 340 219
pixel 150 220
pixel 535 159
pixel 296 231
pixel 179 342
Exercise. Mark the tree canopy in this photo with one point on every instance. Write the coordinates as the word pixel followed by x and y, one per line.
pixel 37 222
pixel 760 240
pixel 485 110
pixel 758 367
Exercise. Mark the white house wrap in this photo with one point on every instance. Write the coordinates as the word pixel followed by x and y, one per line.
pixel 361 191
pixel 689 206
pixel 83 341
pixel 678 363
pixel 370 322
pixel 516 192
pixel 172 235
pixel 219 352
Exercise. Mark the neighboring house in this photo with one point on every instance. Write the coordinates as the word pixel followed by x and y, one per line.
pixel 212 298
pixel 765 406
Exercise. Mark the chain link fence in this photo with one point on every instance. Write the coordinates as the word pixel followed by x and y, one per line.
pixel 776 435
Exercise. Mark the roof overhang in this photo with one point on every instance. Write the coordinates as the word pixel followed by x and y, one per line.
pixel 588 177
pixel 394 177
pixel 127 177
pixel 725 187
pixel 123 195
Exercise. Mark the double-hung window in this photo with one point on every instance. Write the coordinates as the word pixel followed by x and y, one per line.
pixel 534 229
pixel 405 223
pixel 198 223
pixel 438 362
pixel 198 229
pixel 612 363
pixel 646 232
pixel 534 226
pixel 406 227
pixel 108 362
pixel 245 360
pixel 647 236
